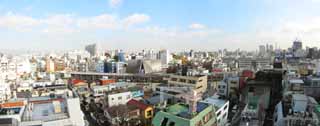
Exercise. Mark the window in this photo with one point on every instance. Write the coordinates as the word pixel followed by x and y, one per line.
pixel 164 121
pixel 210 114
pixel 183 80
pixel 233 82
pixel 224 116
pixel 149 113
pixel 174 79
pixel 119 98
pixel 200 80
pixel 315 83
pixel 199 87
pixel 225 107
pixel 112 98
pixel 205 119
pixel 218 114
pixel 172 124
pixel 199 123
pixel 251 89
pixel 191 81
pixel 128 97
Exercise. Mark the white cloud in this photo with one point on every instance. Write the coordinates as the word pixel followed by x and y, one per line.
pixel 197 26
pixel 135 19
pixel 196 35
pixel 67 23
pixel 59 20
pixel 104 21
pixel 18 22
pixel 115 3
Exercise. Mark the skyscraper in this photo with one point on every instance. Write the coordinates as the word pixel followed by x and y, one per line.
pixel 92 49
pixel 165 57
pixel 297 45
pixel 262 49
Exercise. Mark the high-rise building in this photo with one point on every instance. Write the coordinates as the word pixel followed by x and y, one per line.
pixel 262 49
pixel 50 65
pixel 191 53
pixel 165 57
pixel 114 67
pixel 92 49
pixel 121 56
pixel 271 48
pixel 297 45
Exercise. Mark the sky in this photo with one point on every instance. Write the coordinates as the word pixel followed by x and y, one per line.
pixel 158 24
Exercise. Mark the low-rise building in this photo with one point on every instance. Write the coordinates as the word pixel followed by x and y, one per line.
pixel 146 111
pixel 197 83
pixel 296 110
pixel 221 107
pixel 312 87
pixel 5 91
pixel 62 110
pixel 100 90
pixel 179 115
pixel 122 96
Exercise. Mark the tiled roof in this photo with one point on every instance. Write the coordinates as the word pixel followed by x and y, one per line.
pixel 138 104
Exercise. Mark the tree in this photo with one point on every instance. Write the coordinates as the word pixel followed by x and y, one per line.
pixel 120 113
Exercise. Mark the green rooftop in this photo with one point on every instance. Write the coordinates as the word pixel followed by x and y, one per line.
pixel 177 115
pixel 253 101
pixel 318 108
pixel 177 108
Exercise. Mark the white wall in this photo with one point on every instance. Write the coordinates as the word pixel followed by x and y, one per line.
pixel 113 99
pixel 223 111
pixel 75 113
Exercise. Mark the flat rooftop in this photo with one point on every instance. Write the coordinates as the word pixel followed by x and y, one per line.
pixel 296 81
pixel 182 110
pixel 125 90
pixel 6 111
pixel 217 103
pixel 45 109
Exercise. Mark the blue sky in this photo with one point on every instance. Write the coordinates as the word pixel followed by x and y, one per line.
pixel 172 24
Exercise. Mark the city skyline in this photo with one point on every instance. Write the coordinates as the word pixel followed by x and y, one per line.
pixel 175 25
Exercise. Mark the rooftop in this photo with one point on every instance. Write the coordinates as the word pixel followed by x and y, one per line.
pixel 218 103
pixel 182 110
pixel 121 90
pixel 45 109
pixel 296 81
pixel 11 111
pixel 300 102
pixel 157 99
pixel 138 104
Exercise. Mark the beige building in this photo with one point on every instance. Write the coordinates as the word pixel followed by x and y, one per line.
pixel 197 83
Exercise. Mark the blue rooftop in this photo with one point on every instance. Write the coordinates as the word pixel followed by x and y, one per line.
pixel 218 103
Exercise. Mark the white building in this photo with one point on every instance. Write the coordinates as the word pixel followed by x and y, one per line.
pixel 98 90
pixel 45 111
pixel 296 110
pixel 119 98
pixel 253 63
pixel 165 58
pixel 222 107
pixel 5 92
pixel 223 88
